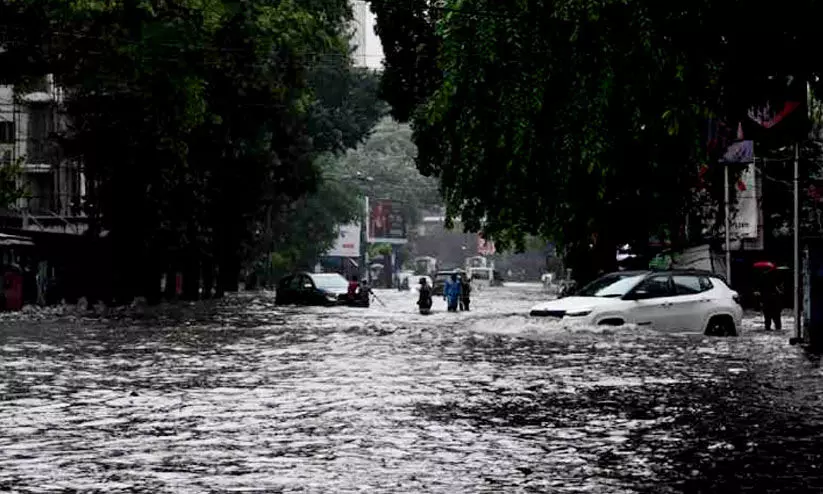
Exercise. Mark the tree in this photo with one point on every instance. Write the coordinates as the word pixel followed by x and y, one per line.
pixel 553 118
pixel 193 119
pixel 307 228
pixel 383 167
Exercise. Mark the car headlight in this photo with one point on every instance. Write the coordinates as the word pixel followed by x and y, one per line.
pixel 331 297
pixel 578 313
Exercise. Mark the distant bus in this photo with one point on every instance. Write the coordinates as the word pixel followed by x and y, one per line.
pixel 425 266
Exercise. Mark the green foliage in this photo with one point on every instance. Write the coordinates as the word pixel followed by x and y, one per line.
pixel 10 188
pixel 410 45
pixel 346 105
pixel 379 250
pixel 578 121
pixel 200 122
pixel 383 168
pixel 308 227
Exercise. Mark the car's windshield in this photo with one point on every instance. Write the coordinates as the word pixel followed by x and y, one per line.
pixel 612 285
pixel 481 274
pixel 330 282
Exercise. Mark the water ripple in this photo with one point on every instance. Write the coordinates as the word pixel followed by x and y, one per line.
pixel 243 396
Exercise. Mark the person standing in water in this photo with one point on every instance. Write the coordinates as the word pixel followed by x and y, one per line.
pixel 451 292
pixel 465 292
pixel 425 300
pixel 771 300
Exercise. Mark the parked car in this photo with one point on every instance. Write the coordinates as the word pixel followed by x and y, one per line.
pixel 440 280
pixel 312 289
pixel 669 300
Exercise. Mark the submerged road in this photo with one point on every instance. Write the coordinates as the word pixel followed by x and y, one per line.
pixel 244 396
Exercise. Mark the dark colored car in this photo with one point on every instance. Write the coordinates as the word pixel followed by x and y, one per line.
pixel 312 289
pixel 440 280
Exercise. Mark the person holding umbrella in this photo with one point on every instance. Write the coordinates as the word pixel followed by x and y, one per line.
pixel 771 295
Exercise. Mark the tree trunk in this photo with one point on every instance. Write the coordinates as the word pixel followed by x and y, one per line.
pixel 229 274
pixel 208 278
pixel 151 285
pixel 170 292
pixel 191 279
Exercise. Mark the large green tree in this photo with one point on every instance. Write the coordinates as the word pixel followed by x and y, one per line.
pixel 383 167
pixel 578 120
pixel 198 121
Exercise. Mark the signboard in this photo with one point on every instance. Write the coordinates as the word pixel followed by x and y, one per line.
pixel 386 223
pixel 744 222
pixel 348 242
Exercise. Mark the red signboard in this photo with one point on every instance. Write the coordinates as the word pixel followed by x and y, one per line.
pixel 386 223
pixel 485 247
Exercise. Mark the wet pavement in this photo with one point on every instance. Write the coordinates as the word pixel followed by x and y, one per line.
pixel 243 396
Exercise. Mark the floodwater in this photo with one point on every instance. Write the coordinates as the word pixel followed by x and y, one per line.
pixel 243 396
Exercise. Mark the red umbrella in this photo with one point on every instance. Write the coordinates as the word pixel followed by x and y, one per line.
pixel 764 265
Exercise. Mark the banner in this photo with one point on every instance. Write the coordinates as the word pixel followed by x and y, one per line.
pixel 386 223
pixel 744 221
pixel 348 242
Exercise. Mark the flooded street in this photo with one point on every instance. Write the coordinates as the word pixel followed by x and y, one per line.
pixel 243 396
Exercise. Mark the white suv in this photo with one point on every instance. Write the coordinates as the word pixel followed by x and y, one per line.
pixel 667 300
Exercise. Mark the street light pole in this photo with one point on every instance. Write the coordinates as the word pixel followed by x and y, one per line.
pixel 364 244
pixel 728 226
pixel 796 247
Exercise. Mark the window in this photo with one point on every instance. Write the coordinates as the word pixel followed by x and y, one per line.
pixel 705 284
pixel 655 287
pixel 611 285
pixel 285 282
pixel 37 149
pixel 7 132
pixel 296 283
pixel 687 285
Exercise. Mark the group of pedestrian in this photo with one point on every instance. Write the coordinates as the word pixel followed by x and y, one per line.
pixel 456 293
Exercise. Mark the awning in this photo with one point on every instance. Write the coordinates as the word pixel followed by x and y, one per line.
pixel 15 240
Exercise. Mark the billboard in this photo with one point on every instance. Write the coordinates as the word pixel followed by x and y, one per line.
pixel 386 223
pixel 744 222
pixel 347 243
pixel 485 247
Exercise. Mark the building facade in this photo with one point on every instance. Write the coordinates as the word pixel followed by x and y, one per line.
pixel 30 122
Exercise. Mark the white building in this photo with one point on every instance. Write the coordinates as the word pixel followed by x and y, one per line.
pixel 368 50
pixel 30 120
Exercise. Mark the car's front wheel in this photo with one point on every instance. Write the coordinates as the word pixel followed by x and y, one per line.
pixel 721 326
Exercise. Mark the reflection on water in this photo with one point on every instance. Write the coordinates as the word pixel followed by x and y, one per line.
pixel 242 396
